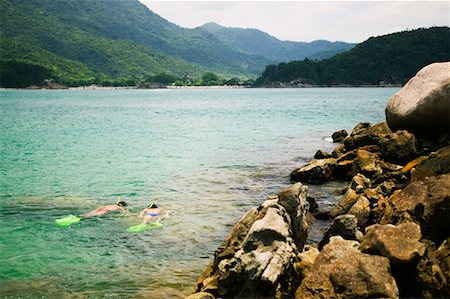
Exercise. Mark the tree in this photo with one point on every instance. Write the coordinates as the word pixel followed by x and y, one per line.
pixel 21 74
pixel 210 78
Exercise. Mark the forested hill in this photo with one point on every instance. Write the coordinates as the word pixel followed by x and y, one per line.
pixel 86 41
pixel 390 59
pixel 257 42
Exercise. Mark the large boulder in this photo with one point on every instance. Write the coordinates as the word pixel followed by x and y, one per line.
pixel 260 249
pixel 342 271
pixel 400 243
pixel 422 106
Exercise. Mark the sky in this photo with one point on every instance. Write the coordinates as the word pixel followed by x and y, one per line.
pixel 350 21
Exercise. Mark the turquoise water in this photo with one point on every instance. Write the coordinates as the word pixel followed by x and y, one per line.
pixel 205 156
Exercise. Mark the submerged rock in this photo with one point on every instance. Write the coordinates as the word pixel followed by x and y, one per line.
pixel 260 249
pixel 422 106
pixel 342 271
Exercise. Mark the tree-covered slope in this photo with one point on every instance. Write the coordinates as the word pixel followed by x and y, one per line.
pixel 87 41
pixel 392 58
pixel 32 33
pixel 257 42
pixel 114 38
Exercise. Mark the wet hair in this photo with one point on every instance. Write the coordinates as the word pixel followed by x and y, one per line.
pixel 152 206
pixel 122 204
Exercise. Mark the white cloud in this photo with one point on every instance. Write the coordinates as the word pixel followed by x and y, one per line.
pixel 352 21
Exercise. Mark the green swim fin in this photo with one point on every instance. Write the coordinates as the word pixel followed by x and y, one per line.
pixel 68 220
pixel 143 227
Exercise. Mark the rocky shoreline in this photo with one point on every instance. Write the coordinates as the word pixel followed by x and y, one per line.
pixel 389 234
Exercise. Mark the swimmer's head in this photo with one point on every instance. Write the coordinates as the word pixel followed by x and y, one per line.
pixel 122 204
pixel 152 206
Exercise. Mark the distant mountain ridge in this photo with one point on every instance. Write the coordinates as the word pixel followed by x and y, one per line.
pixel 257 42
pixel 387 59
pixel 89 41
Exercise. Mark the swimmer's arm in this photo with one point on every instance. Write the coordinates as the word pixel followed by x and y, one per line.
pixel 123 210
pixel 141 214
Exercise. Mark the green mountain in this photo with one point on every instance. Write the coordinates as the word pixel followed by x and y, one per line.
pixel 86 41
pixel 257 42
pixel 392 58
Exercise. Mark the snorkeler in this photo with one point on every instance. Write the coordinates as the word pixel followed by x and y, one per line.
pixel 106 209
pixel 151 214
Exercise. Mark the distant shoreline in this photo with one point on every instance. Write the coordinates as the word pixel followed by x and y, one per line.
pixel 202 87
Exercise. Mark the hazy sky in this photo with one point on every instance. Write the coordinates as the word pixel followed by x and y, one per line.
pixel 351 21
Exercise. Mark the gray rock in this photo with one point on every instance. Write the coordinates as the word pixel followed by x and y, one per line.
pixel 260 249
pixel 400 243
pixel 422 106
pixel 345 226
pixel 342 271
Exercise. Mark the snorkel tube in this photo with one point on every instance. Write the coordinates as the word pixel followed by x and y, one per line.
pixel 121 203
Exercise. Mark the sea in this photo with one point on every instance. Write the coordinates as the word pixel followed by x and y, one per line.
pixel 204 156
